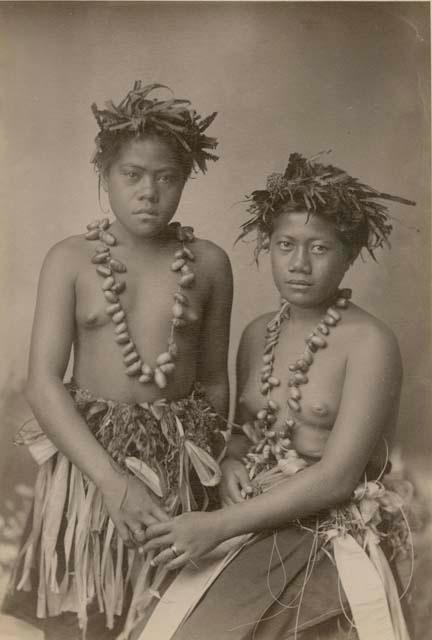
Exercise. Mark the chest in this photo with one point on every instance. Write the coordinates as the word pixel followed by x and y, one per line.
pixel 320 396
pixel 147 299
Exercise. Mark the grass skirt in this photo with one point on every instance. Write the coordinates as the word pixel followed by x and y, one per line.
pixel 72 558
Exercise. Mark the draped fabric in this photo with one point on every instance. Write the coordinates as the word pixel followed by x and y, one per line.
pixel 327 576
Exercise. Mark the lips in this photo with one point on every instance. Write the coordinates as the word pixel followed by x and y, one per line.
pixel 144 212
pixel 300 283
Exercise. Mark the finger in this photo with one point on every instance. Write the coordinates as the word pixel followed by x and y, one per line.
pixel 163 557
pixel 158 529
pixel 148 520
pixel 180 562
pixel 246 491
pixel 137 532
pixel 245 483
pixel 234 490
pixel 156 543
pixel 159 514
pixel 227 501
pixel 124 533
pixel 130 543
pixel 246 486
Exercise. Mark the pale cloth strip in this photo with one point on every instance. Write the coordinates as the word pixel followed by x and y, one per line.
pixel 365 590
pixel 187 589
pixel 382 566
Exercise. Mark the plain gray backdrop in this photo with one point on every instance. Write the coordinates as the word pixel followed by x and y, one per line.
pixel 290 76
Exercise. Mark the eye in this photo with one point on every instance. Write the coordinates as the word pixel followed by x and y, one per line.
pixel 285 245
pixel 132 175
pixel 319 249
pixel 167 178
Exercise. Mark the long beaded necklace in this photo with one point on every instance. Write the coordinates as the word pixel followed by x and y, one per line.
pixel 273 447
pixel 108 268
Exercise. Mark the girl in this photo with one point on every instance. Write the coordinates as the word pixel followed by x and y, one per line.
pixel 140 301
pixel 318 392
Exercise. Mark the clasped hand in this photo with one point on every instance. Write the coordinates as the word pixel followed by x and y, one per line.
pixel 187 537
pixel 235 485
pixel 131 507
pixel 183 539
pixel 141 521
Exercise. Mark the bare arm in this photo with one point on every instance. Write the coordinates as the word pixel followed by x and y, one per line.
pixel 51 343
pixel 214 338
pixel 52 338
pixel 235 484
pixel 369 404
pixel 239 443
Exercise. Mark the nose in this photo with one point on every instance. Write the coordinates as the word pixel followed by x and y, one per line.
pixel 300 261
pixel 147 189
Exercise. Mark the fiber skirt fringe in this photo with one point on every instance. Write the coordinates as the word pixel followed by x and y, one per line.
pixel 72 546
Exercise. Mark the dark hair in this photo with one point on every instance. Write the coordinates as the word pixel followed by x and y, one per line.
pixel 139 116
pixel 353 208
pixel 110 144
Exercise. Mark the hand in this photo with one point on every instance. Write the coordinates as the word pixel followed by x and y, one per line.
pixel 131 507
pixel 185 538
pixel 235 485
pixel 239 444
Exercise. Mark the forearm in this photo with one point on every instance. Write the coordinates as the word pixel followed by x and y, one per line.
pixel 307 493
pixel 57 415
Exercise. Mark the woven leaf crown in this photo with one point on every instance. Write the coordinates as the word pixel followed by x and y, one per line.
pixel 138 112
pixel 324 190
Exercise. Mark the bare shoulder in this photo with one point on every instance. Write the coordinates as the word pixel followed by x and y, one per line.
pixel 254 332
pixel 252 341
pixel 370 335
pixel 214 259
pixel 67 255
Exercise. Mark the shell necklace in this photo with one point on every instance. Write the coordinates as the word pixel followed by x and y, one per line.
pixel 271 447
pixel 108 268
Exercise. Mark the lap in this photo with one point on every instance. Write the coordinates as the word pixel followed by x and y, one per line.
pixel 267 593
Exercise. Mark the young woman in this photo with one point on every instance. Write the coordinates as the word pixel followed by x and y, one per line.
pixel 133 437
pixel 318 392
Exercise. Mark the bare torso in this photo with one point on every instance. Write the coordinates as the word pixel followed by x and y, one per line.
pixel 321 396
pixel 147 301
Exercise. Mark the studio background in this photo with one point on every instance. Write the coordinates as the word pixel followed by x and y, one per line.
pixel 284 77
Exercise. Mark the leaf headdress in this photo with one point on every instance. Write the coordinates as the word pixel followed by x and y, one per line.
pixel 138 112
pixel 325 190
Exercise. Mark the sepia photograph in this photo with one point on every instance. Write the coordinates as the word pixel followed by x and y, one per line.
pixel 216 369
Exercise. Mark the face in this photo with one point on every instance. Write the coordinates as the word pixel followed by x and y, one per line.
pixel 144 186
pixel 308 259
